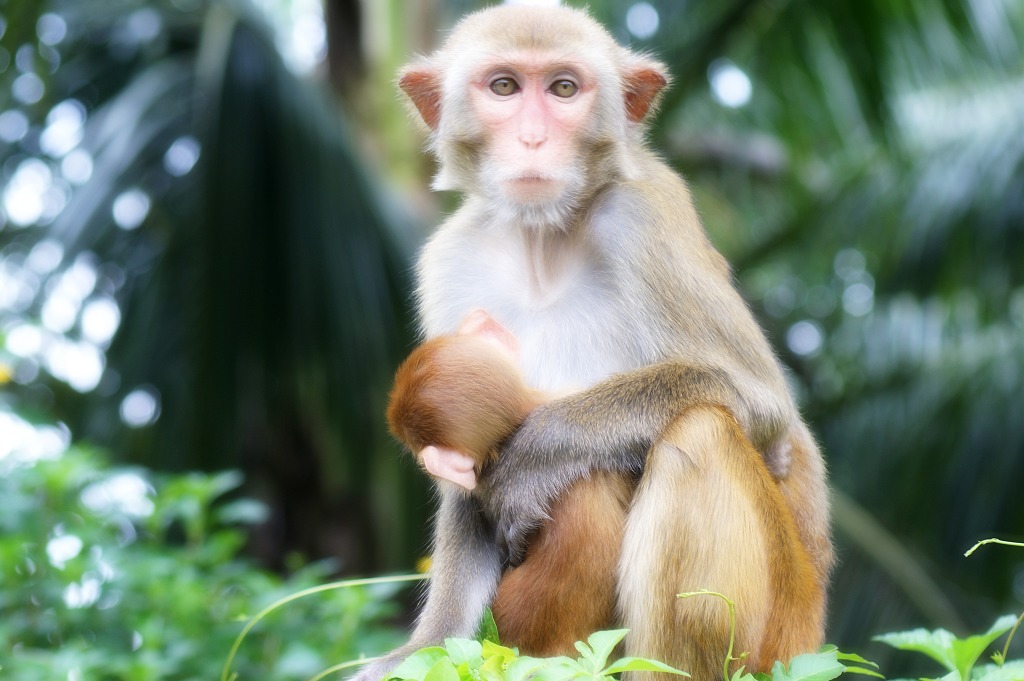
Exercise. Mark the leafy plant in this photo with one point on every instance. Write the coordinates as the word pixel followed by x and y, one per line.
pixel 120 574
pixel 1000 657
pixel 227 674
pixel 470 660
pixel 486 659
pixel 959 655
pixel 824 665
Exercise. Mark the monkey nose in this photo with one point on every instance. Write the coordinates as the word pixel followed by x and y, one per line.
pixel 532 138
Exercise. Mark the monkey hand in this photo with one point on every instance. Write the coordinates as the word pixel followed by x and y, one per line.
pixel 517 516
pixel 450 465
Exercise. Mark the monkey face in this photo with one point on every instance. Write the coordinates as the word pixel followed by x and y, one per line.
pixel 533 110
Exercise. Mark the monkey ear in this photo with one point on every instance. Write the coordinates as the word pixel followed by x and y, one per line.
pixel 643 82
pixel 450 465
pixel 479 323
pixel 422 83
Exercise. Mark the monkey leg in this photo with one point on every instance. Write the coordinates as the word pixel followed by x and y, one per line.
pixel 707 514
pixel 807 497
pixel 565 588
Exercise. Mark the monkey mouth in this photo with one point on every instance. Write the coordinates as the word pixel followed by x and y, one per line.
pixel 531 179
pixel 533 182
pixel 532 188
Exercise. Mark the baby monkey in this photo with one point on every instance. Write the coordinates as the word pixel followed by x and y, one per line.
pixel 455 400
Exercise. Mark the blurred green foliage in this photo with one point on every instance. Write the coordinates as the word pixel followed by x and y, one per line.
pixel 120 573
pixel 262 305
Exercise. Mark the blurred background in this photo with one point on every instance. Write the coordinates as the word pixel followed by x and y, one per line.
pixel 208 211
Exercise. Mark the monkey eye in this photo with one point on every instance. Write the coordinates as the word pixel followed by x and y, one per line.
pixel 564 88
pixel 504 87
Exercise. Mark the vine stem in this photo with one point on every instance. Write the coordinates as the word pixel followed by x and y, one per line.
pixel 1003 542
pixel 344 665
pixel 1006 648
pixel 992 541
pixel 732 625
pixel 345 584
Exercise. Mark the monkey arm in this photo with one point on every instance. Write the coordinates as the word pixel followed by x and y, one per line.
pixel 465 569
pixel 610 426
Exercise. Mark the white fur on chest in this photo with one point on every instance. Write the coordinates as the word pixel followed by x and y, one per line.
pixel 547 289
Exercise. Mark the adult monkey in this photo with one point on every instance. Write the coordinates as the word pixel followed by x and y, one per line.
pixel 588 249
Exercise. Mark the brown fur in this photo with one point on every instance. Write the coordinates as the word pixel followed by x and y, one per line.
pixel 731 530
pixel 565 589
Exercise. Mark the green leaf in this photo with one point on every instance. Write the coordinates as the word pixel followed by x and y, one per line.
pixel 243 512
pixel 587 659
pixel 443 670
pixel 419 664
pixel 640 664
pixel 809 667
pixel 224 482
pixel 851 657
pixel 937 644
pixel 496 659
pixel 504 654
pixel 493 668
pixel 860 666
pixel 465 651
pixel 603 643
pixel 488 629
pixel 865 671
pixel 967 651
pixel 942 646
pixel 560 669
pixel 1011 671
pixel 521 668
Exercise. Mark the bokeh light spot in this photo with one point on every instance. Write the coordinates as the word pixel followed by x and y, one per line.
pixel 642 20
pixel 805 338
pixel 140 407
pixel 181 156
pixel 131 208
pixel 51 28
pixel 28 88
pixel 13 125
pixel 730 86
